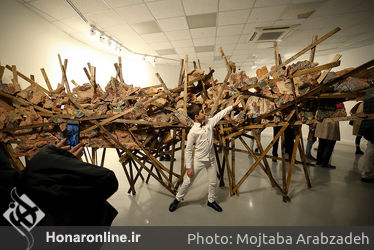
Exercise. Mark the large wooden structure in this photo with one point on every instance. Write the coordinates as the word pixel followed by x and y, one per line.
pixel 142 124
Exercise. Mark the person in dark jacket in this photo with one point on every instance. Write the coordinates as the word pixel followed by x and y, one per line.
pixel 69 191
pixel 367 130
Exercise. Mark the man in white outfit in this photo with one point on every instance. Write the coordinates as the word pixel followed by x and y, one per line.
pixel 201 135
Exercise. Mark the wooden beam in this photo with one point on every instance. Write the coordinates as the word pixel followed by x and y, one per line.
pixel 15 76
pixel 228 67
pixel 64 75
pixel 276 53
pixel 46 79
pixel 324 74
pixel 2 69
pixel 323 38
pixel 313 50
pixel 185 84
pixel 28 79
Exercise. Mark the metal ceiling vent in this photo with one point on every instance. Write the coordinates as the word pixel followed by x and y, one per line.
pixel 270 34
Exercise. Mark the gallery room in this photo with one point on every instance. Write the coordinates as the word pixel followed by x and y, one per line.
pixel 188 112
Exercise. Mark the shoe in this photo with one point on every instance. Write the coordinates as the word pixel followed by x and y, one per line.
pixel 359 152
pixel 174 205
pixel 256 150
pixel 215 206
pixel 367 180
pixel 311 158
pixel 328 166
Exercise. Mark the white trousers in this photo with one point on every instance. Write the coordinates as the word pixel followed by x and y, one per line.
pixel 211 168
pixel 367 168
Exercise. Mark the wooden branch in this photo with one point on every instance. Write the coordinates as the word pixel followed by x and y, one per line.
pixel 228 67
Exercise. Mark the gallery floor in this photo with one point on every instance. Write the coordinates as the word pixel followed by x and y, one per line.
pixel 337 197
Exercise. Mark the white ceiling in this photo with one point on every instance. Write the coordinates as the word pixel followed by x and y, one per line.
pixel 230 23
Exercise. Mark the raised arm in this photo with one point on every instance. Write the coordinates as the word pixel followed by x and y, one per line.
pixel 215 119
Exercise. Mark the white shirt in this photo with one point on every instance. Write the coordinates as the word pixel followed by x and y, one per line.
pixel 203 139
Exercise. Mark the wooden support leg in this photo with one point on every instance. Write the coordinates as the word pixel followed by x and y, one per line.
pixel 103 158
pixel 183 167
pixel 127 174
pixel 220 168
pixel 172 157
pixel 259 145
pixel 233 162
pixel 303 158
pixel 225 154
pixel 284 180
pixel 94 156
pixel 292 163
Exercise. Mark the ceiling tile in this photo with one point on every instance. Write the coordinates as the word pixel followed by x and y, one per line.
pixel 163 45
pixel 155 37
pixel 293 10
pixel 204 41
pixel 120 3
pixel 55 8
pixel 135 13
pixel 89 6
pixel 202 21
pixel 225 5
pixel 171 24
pixel 194 7
pixel 266 14
pixel 163 52
pixel 182 43
pixel 205 54
pixel 203 32
pixel 178 35
pixel 185 51
pixel 166 9
pixel 225 46
pixel 146 27
pixel 233 17
pixel 76 23
pixel 270 3
pixel 230 30
pixel 103 18
pixel 227 39
pixel 204 48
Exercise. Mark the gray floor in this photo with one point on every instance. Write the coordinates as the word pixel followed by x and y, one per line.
pixel 337 197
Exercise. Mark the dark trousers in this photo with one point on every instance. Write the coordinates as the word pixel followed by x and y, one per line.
pixel 289 137
pixel 325 149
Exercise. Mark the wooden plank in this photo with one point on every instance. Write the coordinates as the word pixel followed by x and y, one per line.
pixel 28 79
pixel 185 84
pixel 233 163
pixel 260 158
pixel 75 84
pixel 324 74
pixel 276 53
pixel 226 157
pixel 64 75
pixel 180 80
pixel 16 162
pixel 15 76
pixel 120 69
pixel 300 53
pixel 6 106
pixel 162 82
pixel 228 67
pixel 316 69
pixel 215 105
pixel 36 125
pixel 105 121
pixel 2 69
pixel 46 79
pixel 292 164
pixel 198 63
pixel 313 50
pixel 24 102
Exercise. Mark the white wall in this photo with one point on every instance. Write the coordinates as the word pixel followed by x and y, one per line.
pixel 30 42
